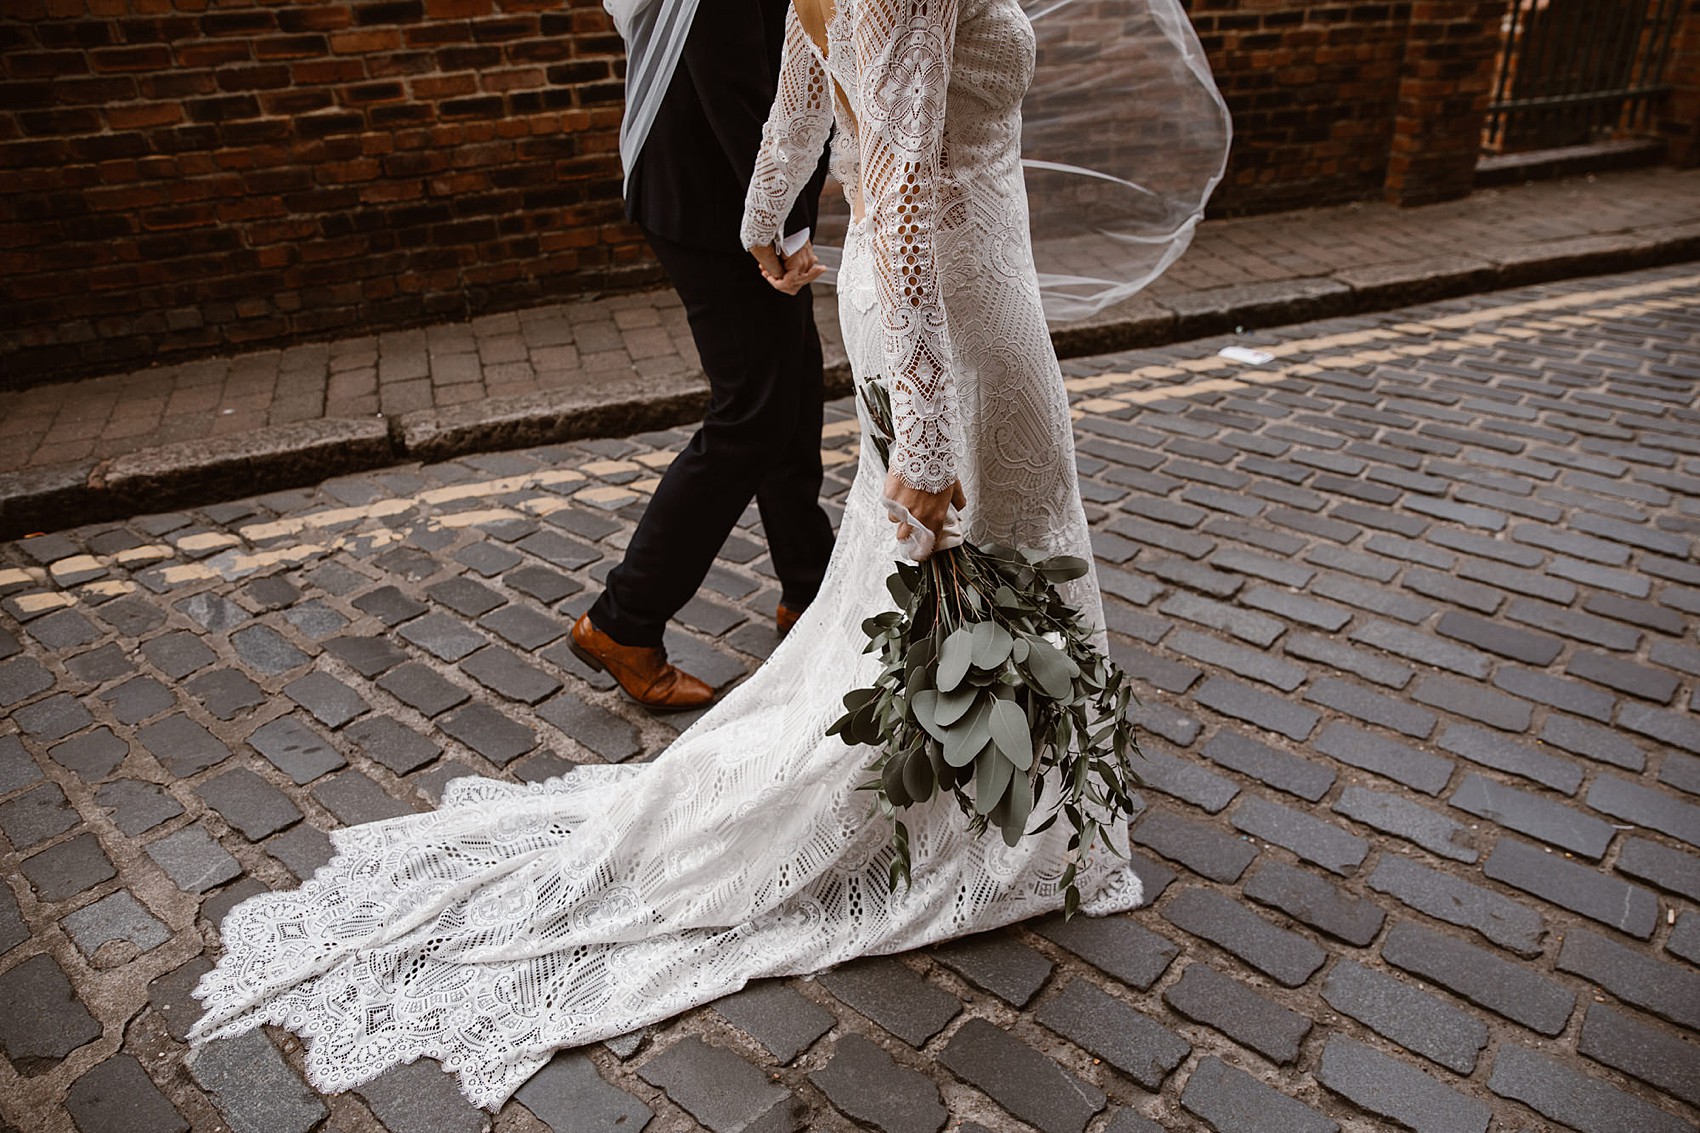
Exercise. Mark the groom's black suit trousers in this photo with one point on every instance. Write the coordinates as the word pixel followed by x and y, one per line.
pixel 761 438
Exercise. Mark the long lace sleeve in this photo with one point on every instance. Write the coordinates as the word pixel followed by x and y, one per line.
pixel 791 142
pixel 905 47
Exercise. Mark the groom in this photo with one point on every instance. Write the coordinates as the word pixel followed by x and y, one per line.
pixel 759 348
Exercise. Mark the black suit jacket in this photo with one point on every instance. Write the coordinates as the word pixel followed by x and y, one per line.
pixel 689 180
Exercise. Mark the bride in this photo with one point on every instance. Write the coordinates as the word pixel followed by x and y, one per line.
pixel 520 919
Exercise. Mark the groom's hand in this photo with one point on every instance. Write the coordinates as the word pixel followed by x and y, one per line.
pixel 929 508
pixel 796 272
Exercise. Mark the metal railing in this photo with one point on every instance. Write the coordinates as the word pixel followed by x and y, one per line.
pixel 1577 72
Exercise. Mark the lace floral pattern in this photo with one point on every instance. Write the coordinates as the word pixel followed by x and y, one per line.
pixel 519 919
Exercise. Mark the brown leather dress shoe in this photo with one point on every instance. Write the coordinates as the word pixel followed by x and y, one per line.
pixel 643 672
pixel 784 618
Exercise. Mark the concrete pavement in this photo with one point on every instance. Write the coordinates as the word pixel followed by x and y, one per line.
pixel 222 428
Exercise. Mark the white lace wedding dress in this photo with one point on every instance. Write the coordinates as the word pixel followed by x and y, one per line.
pixel 517 920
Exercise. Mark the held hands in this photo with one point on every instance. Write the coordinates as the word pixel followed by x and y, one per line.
pixel 930 509
pixel 796 272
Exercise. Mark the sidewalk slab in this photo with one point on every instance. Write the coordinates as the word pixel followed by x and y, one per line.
pixel 219 428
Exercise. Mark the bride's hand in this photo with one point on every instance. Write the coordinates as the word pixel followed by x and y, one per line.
pixel 928 508
pixel 799 269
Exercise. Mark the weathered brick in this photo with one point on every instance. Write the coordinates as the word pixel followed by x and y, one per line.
pixel 1490 749
pixel 1484 978
pixel 1133 1043
pixel 1117 946
pixel 1397 1091
pixel 1232 1101
pixel 1410 1016
pixel 1286 956
pixel 865 1083
pixel 1315 902
pixel 1670 991
pixel 1574 886
pixel 894 997
pixel 1554 1090
pixel 1201 848
pixel 1279 769
pixel 1020 1079
pixel 1394 814
pixel 1531 814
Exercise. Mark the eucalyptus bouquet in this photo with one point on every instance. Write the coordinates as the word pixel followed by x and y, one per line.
pixel 991 690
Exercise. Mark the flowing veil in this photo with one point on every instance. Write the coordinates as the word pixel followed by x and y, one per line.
pixel 1124 137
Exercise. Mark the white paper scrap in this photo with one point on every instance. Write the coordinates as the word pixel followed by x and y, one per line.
pixel 1245 354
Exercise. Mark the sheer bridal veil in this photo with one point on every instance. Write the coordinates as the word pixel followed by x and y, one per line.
pixel 1124 137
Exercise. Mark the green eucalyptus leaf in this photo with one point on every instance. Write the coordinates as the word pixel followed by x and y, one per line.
pixel 918 777
pixel 955 655
pixel 992 774
pixel 1008 726
pixel 963 741
pixel 992 644
pixel 925 706
pixel 891 780
pixel 1019 807
pixel 953 706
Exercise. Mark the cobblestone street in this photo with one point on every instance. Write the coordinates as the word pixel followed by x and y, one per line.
pixel 1413 608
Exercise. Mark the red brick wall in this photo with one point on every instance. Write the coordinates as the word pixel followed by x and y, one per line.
pixel 1313 86
pixel 1679 125
pixel 186 176
pixel 1450 50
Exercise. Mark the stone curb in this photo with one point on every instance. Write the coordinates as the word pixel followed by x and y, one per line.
pixel 289 456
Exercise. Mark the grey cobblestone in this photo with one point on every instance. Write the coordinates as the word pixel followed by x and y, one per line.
pixel 36 815
pixel 1498 918
pixel 194 862
pixel 1232 1101
pixel 865 1083
pixel 1310 838
pixel 1621 1042
pixel 41 1019
pixel 1607 745
pixel 295 749
pixel 1287 957
pixel 1117 946
pixel 1397 1090
pixel 1400 762
pixel 1201 848
pixel 1206 996
pixel 1313 901
pixel 117 1096
pixel 1397 815
pixel 1371 707
pixel 1020 1079
pixel 1531 814
pixel 1482 977
pixel 1490 749
pixel 1279 769
pixel 1643 806
pixel 249 803
pixel 894 997
pixel 569 1096
pixel 1422 1023
pixel 1266 710
pixel 998 963
pixel 1660 865
pixel 1588 1104
pixel 254 1088
pixel 1670 991
pixel 1574 886
pixel 1359 662
pixel 1133 1043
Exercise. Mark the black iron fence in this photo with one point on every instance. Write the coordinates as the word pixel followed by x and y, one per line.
pixel 1577 72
